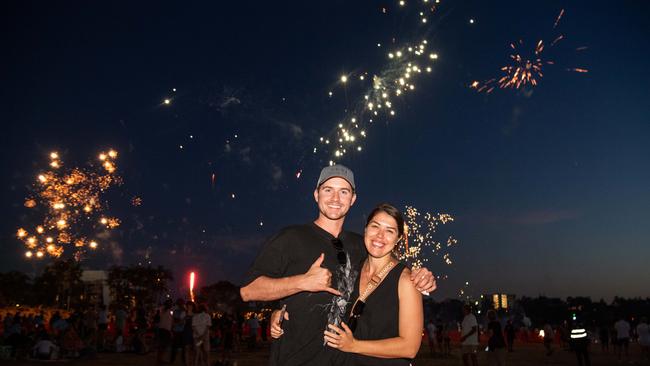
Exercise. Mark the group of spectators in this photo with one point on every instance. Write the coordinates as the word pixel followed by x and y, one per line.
pixel 185 328
pixel 496 337
pixel 53 334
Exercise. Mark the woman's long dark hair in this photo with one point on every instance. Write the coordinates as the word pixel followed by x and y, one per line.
pixel 392 212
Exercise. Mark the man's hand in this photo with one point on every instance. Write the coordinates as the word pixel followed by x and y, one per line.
pixel 276 327
pixel 423 280
pixel 318 279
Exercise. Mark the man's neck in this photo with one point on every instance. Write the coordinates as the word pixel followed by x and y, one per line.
pixel 333 227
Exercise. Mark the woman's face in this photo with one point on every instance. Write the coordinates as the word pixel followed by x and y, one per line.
pixel 381 235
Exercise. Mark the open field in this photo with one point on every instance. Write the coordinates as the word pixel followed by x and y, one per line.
pixel 524 355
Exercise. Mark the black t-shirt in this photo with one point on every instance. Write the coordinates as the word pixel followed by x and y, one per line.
pixel 291 252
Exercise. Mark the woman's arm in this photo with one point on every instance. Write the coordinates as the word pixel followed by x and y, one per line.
pixel 406 345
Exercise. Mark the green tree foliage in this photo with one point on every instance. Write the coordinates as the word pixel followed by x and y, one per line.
pixel 222 296
pixel 15 288
pixel 133 284
pixel 60 284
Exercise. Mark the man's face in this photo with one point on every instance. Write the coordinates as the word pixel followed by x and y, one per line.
pixel 334 198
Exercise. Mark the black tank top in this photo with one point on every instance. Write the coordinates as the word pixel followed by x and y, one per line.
pixel 380 318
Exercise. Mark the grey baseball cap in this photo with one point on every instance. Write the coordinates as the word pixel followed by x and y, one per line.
pixel 336 171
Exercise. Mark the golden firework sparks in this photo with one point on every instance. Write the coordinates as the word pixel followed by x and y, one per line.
pixel 71 201
pixel 403 66
pixel 419 244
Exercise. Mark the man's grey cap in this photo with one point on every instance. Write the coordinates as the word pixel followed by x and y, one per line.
pixel 336 171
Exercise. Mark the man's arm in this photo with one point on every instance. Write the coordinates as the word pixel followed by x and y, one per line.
pixel 265 288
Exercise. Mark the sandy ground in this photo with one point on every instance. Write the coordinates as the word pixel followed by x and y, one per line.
pixel 525 355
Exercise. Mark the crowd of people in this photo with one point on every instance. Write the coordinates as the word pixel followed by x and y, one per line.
pixel 182 331
pixel 498 336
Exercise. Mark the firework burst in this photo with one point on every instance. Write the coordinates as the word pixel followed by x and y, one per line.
pixel 70 202
pixel 420 244
pixel 524 69
pixel 403 64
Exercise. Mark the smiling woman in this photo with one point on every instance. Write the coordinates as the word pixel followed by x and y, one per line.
pixel 385 322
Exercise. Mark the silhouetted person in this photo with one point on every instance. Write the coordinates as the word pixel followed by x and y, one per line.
pixel 469 337
pixel 201 322
pixel 603 335
pixel 264 327
pixel 510 335
pixel 579 341
pixel 496 343
pixel 178 324
pixel 440 336
pixel 622 336
pixel 45 349
pixel 164 331
pixel 643 332
pixel 431 335
pixel 548 338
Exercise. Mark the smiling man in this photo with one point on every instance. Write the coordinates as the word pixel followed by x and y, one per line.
pixel 313 268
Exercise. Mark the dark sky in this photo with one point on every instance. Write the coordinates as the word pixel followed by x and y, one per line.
pixel 549 186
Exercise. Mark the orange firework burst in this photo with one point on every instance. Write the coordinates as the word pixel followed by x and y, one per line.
pixel 70 202
pixel 524 71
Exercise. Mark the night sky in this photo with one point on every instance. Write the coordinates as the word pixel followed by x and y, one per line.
pixel 549 185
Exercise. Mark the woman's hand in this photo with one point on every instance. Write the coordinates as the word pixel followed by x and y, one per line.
pixel 341 339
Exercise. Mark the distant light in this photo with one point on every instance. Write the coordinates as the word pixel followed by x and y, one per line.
pixel 471 21
pixel 54 155
pixel 167 101
pixel 433 56
pixel 402 3
pixel 344 79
